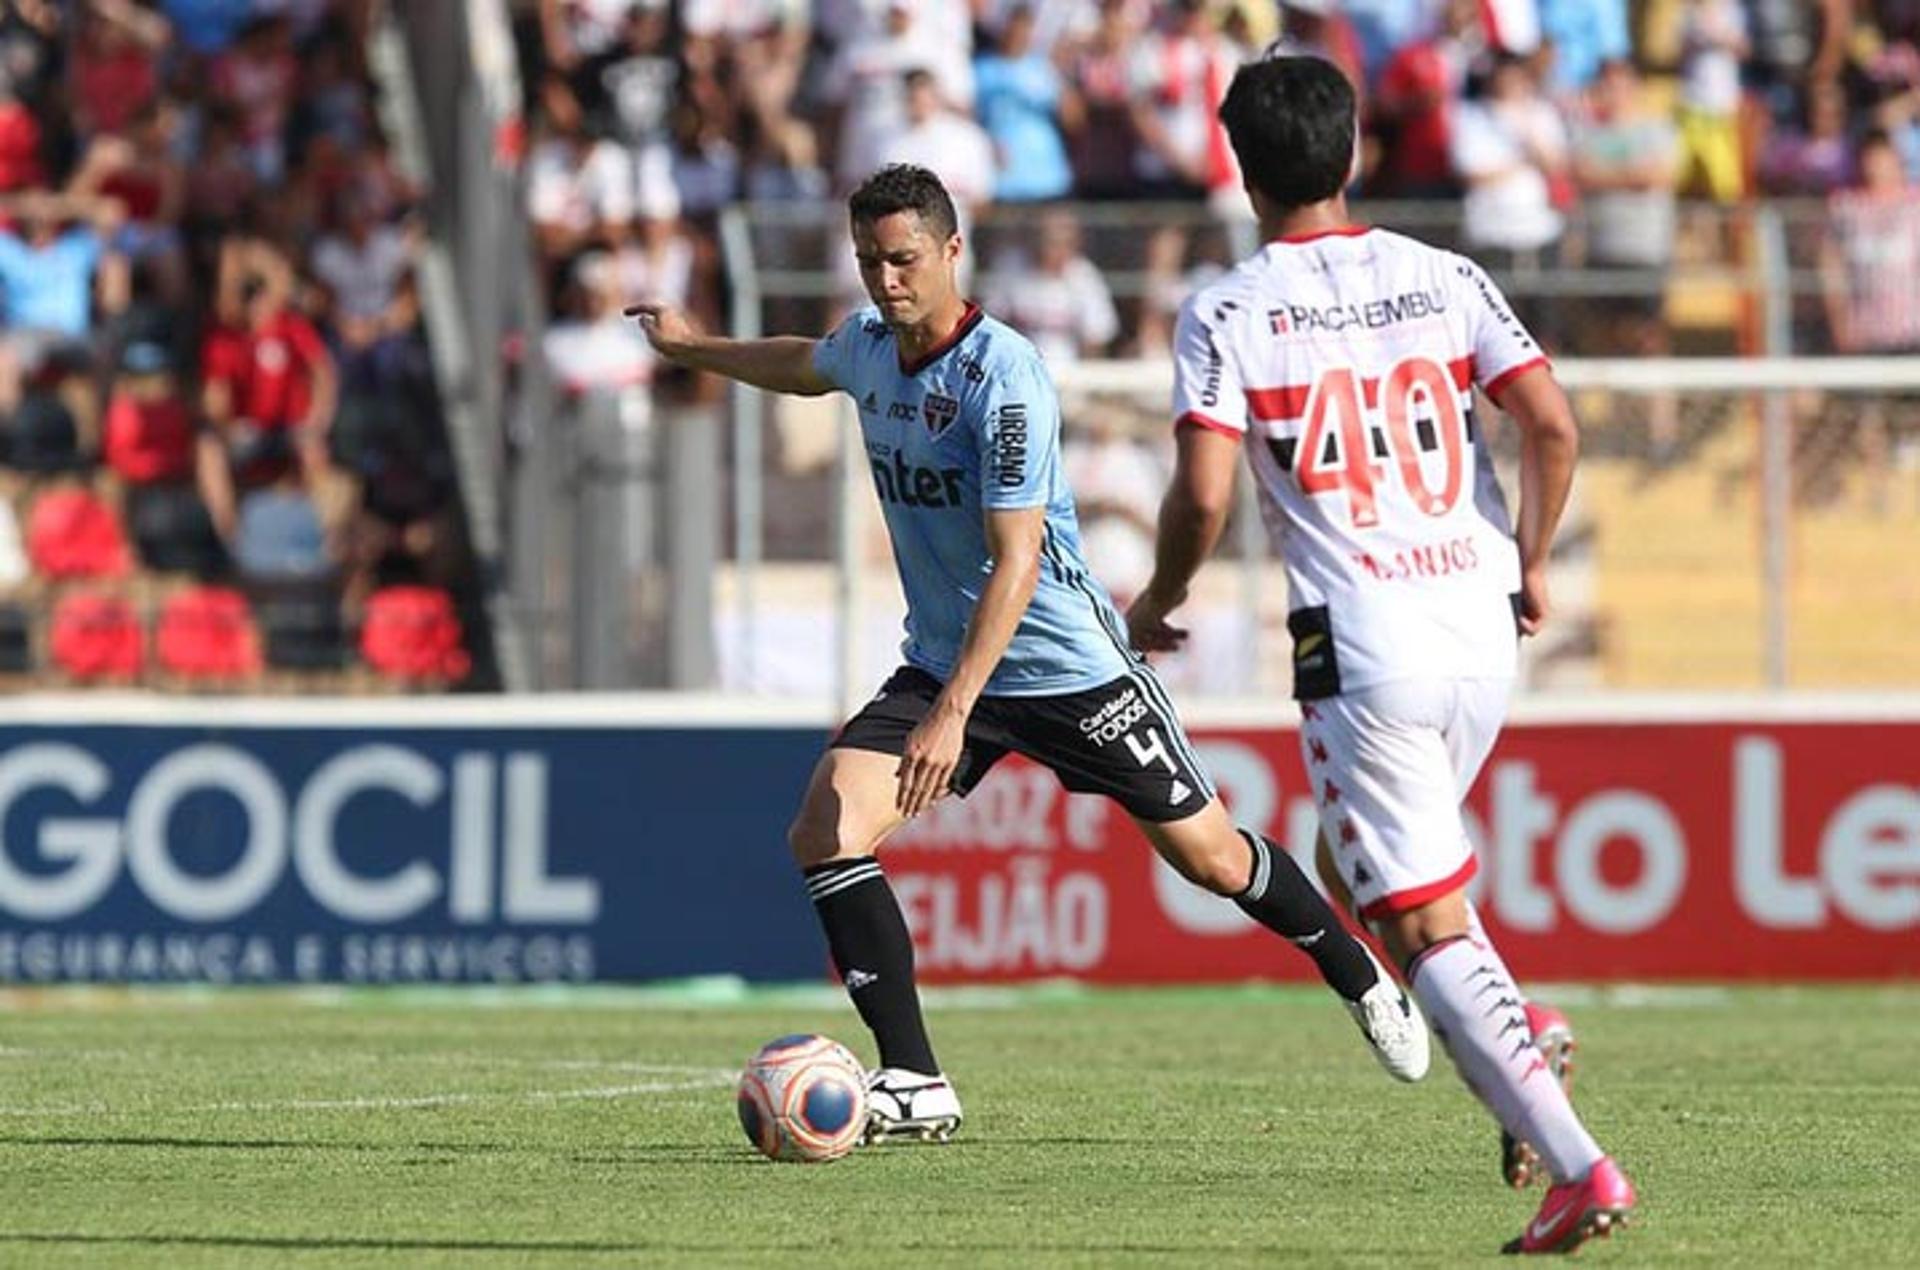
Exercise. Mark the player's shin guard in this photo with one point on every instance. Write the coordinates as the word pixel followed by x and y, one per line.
pixel 1282 899
pixel 874 954
pixel 1481 1018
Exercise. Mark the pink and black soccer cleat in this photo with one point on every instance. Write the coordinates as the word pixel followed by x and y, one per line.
pixel 1575 1212
pixel 1553 1037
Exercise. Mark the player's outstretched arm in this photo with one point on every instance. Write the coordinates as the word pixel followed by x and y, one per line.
pixel 932 750
pixel 1192 515
pixel 1549 444
pixel 783 363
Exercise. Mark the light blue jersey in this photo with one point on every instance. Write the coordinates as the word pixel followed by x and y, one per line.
pixel 972 427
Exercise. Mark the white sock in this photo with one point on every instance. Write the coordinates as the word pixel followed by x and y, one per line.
pixel 1481 1020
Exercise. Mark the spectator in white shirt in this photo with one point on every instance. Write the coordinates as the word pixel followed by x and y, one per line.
pixel 1509 150
pixel 579 190
pixel 574 31
pixel 1870 260
pixel 865 78
pixel 364 265
pixel 1180 76
pixel 591 347
pixel 1116 483
pixel 949 144
pixel 1055 296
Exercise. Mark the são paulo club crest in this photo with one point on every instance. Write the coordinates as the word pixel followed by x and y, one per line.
pixel 938 411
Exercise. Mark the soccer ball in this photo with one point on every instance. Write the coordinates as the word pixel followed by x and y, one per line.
pixel 803 1098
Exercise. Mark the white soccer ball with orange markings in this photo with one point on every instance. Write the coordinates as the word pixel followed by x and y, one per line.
pixel 803 1097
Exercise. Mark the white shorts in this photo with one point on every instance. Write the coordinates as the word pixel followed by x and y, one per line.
pixel 1390 766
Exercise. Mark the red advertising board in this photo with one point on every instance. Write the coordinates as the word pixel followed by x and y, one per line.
pixel 1643 851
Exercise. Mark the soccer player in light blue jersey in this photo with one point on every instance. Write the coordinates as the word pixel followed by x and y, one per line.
pixel 1011 646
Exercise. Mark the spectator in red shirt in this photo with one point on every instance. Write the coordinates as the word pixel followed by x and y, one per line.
pixel 149 433
pixel 268 382
pixel 1420 90
pixel 136 169
pixel 114 72
pixel 20 165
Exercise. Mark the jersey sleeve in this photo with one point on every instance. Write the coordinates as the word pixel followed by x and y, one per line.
pixel 833 352
pixel 1502 348
pixel 1019 423
pixel 1207 388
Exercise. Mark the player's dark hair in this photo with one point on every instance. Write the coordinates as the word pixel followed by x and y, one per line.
pixel 1291 122
pixel 904 187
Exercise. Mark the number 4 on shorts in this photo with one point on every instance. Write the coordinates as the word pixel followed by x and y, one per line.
pixel 1152 750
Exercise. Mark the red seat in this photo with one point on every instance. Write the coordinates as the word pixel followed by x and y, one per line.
pixel 413 633
pixel 72 534
pixel 96 637
pixel 208 632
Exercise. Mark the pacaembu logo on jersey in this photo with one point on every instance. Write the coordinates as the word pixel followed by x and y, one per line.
pixel 1334 318
pixel 911 485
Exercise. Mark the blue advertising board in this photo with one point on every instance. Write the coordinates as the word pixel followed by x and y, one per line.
pixel 329 854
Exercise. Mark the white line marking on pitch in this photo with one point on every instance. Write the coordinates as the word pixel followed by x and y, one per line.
pixel 476 1059
pixel 707 1078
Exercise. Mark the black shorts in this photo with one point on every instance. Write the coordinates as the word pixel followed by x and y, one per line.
pixel 1121 739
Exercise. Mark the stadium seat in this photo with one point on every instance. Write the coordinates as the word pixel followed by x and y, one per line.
pixel 207 633
pixel 71 533
pixel 96 636
pixel 412 634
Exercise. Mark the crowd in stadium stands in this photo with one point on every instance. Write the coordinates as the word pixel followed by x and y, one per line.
pixel 221 451
pixel 221 455
pixel 1629 140
pixel 1568 132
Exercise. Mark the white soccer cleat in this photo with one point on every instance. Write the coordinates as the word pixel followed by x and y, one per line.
pixel 904 1104
pixel 1393 1026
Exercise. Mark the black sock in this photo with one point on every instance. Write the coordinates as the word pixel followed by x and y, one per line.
pixel 1281 899
pixel 874 955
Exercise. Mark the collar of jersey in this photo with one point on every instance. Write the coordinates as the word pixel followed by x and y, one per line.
pixel 969 318
pixel 1314 235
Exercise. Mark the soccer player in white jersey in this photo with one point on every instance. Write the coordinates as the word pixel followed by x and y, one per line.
pixel 1011 647
pixel 1342 361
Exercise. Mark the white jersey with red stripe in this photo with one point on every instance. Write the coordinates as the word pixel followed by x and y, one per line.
pixel 1347 360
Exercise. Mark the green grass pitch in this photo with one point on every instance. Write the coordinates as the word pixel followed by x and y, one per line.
pixel 1184 1127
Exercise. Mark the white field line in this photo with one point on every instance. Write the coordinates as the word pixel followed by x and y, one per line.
pixel 474 1059
pixel 693 1079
